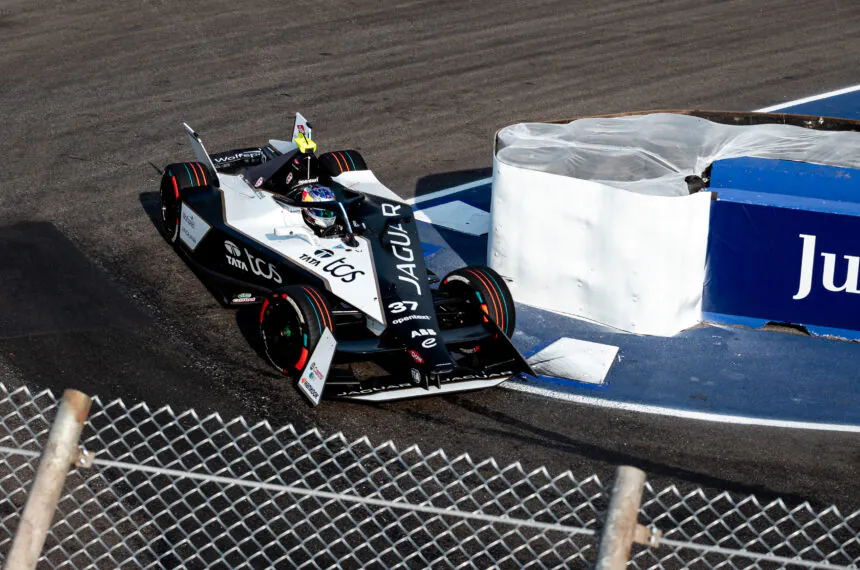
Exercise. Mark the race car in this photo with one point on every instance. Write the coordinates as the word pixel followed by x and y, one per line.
pixel 333 259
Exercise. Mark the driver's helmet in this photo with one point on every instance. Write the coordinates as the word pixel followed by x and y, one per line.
pixel 317 218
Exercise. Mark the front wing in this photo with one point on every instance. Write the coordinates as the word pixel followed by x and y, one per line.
pixel 495 361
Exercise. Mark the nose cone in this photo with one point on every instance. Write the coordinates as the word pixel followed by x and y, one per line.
pixel 437 359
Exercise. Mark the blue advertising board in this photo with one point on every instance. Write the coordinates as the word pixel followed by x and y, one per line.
pixel 782 251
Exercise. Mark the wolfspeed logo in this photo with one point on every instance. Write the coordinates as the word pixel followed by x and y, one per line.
pixel 237 156
pixel 401 247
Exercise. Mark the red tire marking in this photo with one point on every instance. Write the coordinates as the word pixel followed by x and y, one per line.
pixel 202 173
pixel 304 358
pixel 324 306
pixel 320 303
pixel 497 299
pixel 497 305
pixel 175 187
pixel 263 310
pixel 194 170
pixel 339 165
pixel 345 161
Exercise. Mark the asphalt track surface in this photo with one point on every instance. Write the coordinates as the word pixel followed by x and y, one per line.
pixel 92 93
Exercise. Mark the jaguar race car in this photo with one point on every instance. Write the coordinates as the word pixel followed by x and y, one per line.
pixel 332 258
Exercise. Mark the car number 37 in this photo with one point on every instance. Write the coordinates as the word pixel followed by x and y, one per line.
pixel 402 306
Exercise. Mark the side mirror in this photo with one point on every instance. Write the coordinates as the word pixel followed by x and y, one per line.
pixel 299 233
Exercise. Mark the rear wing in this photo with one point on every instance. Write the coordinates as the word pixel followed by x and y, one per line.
pixel 199 149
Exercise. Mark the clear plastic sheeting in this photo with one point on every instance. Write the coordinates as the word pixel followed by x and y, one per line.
pixel 652 154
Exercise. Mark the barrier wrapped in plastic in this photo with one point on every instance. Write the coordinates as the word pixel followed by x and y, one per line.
pixel 652 154
pixel 595 218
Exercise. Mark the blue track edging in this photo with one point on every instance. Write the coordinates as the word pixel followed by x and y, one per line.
pixel 716 369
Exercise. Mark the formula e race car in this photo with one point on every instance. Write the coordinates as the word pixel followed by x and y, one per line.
pixel 333 259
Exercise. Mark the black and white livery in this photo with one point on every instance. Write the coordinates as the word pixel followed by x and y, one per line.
pixel 333 259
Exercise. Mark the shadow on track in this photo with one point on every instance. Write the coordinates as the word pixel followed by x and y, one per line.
pixel 559 442
pixel 151 204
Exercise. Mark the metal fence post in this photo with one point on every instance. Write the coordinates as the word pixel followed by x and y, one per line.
pixel 621 519
pixel 59 454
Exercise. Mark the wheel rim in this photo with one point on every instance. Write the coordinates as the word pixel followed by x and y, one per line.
pixel 169 215
pixel 283 336
pixel 472 304
pixel 472 310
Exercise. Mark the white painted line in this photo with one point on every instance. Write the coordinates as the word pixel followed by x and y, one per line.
pixel 686 414
pixel 809 99
pixel 449 191
pixel 575 359
pixel 458 216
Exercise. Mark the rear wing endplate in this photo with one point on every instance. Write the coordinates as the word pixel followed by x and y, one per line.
pixel 199 149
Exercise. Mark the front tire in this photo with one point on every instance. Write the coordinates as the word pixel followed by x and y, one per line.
pixel 170 208
pixel 486 295
pixel 291 324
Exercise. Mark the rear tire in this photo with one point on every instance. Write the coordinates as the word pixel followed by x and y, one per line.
pixel 291 324
pixel 178 178
pixel 338 162
pixel 486 294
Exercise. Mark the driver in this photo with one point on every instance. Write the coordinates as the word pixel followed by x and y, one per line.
pixel 318 219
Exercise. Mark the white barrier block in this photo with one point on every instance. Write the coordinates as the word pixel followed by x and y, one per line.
pixel 458 216
pixel 630 261
pixel 574 359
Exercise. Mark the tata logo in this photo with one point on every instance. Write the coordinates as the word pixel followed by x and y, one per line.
pixel 232 249
pixel 237 263
pixel 234 254
pixel 338 268
pixel 318 254
pixel 828 271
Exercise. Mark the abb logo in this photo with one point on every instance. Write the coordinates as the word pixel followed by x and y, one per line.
pixel 427 342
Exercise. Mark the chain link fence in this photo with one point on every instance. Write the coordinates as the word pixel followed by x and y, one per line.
pixel 176 490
